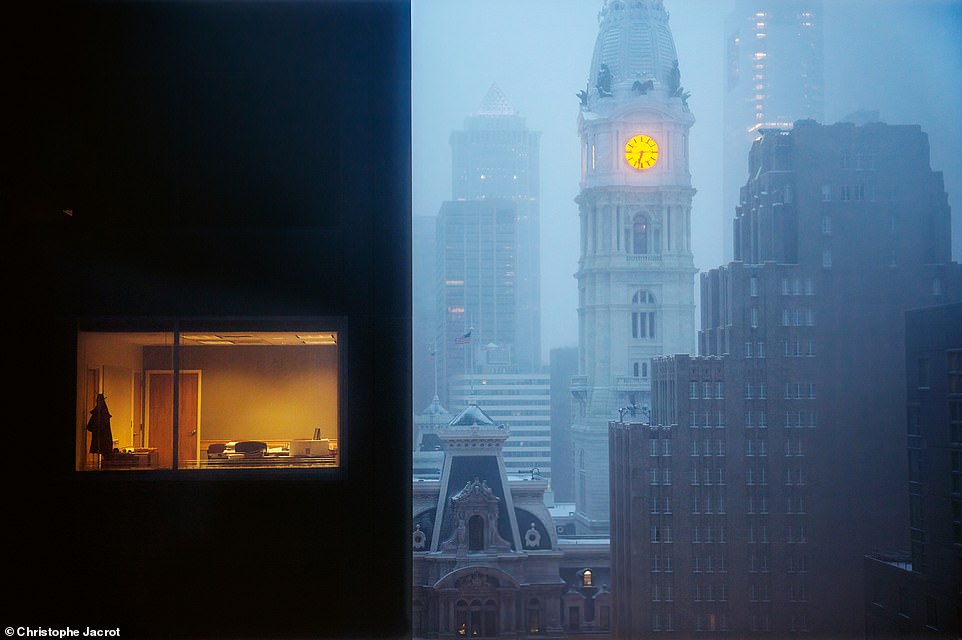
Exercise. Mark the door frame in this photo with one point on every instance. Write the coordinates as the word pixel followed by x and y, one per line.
pixel 146 408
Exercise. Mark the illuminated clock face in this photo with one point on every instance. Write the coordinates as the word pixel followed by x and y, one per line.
pixel 641 152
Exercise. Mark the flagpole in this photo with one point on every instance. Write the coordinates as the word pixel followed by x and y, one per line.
pixel 465 339
pixel 471 372
pixel 434 361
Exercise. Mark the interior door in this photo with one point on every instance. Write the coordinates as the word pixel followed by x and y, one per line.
pixel 160 416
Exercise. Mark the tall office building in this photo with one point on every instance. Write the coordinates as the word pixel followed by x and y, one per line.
pixel 423 311
pixel 777 456
pixel 636 271
pixel 487 269
pixel 917 593
pixel 521 402
pixel 773 76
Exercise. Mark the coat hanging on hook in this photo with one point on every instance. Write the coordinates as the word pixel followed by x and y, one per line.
pixel 101 438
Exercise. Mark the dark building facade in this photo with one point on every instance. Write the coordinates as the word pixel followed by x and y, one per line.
pixel 787 431
pixel 916 593
pixel 182 161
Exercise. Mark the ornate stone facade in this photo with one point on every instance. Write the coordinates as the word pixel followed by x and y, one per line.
pixel 487 559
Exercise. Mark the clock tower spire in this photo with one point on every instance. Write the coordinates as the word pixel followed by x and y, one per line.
pixel 636 273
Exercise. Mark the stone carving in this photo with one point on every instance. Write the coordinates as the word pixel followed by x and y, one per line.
pixel 532 539
pixel 604 81
pixel 675 90
pixel 583 97
pixel 642 88
pixel 476 499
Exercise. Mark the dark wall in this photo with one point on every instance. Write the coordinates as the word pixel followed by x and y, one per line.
pixel 217 160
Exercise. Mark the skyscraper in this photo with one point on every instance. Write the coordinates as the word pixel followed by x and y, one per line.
pixel 424 311
pixel 521 402
pixel 773 77
pixel 776 458
pixel 636 271
pixel 488 261
pixel 917 592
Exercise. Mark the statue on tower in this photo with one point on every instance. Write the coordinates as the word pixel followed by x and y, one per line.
pixel 583 97
pixel 604 81
pixel 675 90
pixel 674 80
pixel 642 88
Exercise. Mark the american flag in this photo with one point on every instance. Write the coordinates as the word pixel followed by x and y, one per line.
pixel 465 339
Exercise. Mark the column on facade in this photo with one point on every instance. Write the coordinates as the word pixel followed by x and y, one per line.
pixel 552 610
pixel 506 615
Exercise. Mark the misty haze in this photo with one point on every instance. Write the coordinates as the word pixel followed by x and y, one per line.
pixel 687 318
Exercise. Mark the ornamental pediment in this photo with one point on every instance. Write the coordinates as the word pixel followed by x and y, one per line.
pixel 475 492
pixel 477 580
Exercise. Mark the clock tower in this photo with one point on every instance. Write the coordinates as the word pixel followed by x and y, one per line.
pixel 636 274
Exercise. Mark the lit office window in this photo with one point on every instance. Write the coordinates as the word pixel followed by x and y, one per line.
pixel 209 397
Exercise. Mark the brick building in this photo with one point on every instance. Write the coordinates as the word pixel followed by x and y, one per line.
pixel 787 433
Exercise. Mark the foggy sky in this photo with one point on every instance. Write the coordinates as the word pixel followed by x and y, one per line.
pixel 900 57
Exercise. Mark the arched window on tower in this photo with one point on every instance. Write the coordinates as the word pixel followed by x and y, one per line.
pixel 639 234
pixel 475 628
pixel 642 318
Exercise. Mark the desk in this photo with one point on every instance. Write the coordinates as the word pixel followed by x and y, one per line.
pixel 131 457
pixel 269 461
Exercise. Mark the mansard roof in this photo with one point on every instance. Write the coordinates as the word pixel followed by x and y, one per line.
pixel 472 415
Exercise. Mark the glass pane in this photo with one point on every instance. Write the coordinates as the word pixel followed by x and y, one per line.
pixel 117 426
pixel 214 399
pixel 258 399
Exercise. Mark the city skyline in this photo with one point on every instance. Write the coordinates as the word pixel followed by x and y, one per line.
pixel 537 52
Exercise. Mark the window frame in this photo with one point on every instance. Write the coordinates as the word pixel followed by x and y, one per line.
pixel 177 327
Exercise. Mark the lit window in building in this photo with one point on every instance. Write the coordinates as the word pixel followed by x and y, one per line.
pixel 215 396
pixel 586 578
